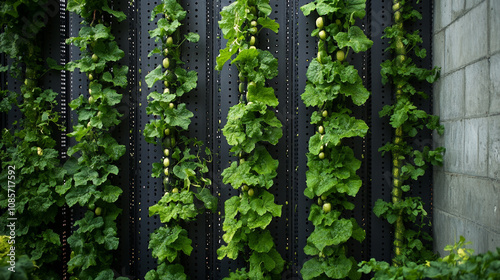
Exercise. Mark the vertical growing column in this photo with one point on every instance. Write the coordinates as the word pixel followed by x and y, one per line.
pixel 333 86
pixel 250 125
pixel 411 243
pixel 31 173
pixel 91 164
pixel 184 163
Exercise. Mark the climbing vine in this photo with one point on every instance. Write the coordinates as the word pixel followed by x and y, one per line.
pixel 407 213
pixel 91 166
pixel 184 164
pixel 250 123
pixel 333 85
pixel 31 170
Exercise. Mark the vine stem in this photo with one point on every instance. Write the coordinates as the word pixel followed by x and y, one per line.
pixel 397 192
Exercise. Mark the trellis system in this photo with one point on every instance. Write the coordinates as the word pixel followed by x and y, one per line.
pixel 210 101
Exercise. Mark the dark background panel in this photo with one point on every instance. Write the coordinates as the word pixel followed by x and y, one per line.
pixel 305 50
pixel 380 232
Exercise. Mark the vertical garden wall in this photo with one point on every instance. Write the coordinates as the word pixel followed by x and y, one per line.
pixel 215 93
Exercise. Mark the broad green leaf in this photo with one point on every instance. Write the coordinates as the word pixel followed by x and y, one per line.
pixel 187 81
pixel 111 193
pixel 337 267
pixel 179 116
pixel 108 51
pixel 260 241
pixel 327 7
pixel 308 8
pixel 154 76
pixel 208 199
pixel 85 175
pixel 358 93
pixel 266 22
pixel 167 242
pixel 192 37
pixel 339 232
pixel 354 38
pixel 89 222
pixel 262 94
pixel 120 16
pixel 311 269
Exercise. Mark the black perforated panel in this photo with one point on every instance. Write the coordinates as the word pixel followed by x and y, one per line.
pixel 216 93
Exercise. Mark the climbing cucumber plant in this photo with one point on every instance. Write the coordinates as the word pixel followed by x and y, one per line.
pixel 410 243
pixel 184 165
pixel 333 85
pixel 91 164
pixel 250 123
pixel 31 170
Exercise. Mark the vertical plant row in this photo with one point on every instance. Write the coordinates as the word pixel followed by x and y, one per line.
pixel 91 167
pixel 31 171
pixel 333 86
pixel 404 212
pixel 183 166
pixel 251 125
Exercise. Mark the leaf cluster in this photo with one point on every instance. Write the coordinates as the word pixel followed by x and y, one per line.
pixel 91 167
pixel 184 164
pixel 235 26
pixel 459 264
pixel 251 123
pixel 29 160
pixel 89 242
pixel 245 222
pixel 408 120
pixel 417 243
pixel 332 86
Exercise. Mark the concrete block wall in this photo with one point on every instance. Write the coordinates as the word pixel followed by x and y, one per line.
pixel 466 45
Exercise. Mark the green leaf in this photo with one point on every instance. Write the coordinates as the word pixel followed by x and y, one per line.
pixel 192 37
pixel 265 204
pixel 337 267
pixel 89 222
pixel 120 16
pixel 257 65
pixel 357 91
pixel 339 232
pixel 111 193
pixel 208 199
pixel 174 206
pixel 179 116
pixel 262 94
pixel 340 126
pixel 85 175
pixel 311 269
pixel 108 51
pixel 120 76
pixel 165 28
pixel 261 242
pixel 268 23
pixel 187 81
pixel 111 147
pixel 380 207
pixel 225 55
pixel 52 64
pixel 154 76
pixel 167 272
pixel 308 8
pixel 354 38
pixel 327 7
pixel 76 6
pixel 264 7
pixel 167 242
pixel 105 275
